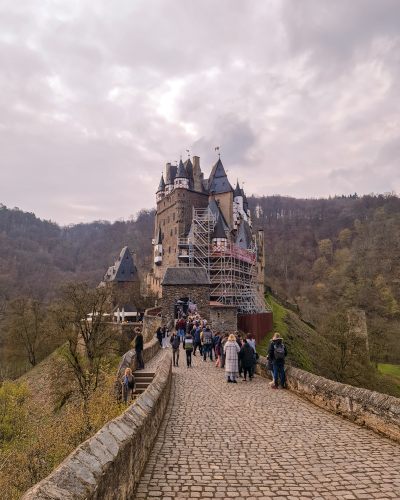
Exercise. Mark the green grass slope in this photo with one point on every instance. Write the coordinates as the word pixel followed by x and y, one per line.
pixel 302 342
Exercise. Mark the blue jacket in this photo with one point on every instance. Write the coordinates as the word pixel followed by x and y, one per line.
pixel 197 335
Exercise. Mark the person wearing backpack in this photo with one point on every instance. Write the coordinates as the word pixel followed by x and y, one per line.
pixel 277 353
pixel 188 346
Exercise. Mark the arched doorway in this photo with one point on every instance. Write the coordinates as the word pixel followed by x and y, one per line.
pixel 185 305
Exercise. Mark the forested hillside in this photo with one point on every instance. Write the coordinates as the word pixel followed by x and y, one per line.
pixel 36 255
pixel 330 255
pixel 326 255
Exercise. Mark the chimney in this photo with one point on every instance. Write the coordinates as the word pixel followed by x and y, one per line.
pixel 134 258
pixel 197 174
pixel 167 167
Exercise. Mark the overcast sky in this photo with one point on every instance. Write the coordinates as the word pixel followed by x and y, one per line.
pixel 97 96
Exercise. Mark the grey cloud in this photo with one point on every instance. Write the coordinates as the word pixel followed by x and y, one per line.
pixel 95 98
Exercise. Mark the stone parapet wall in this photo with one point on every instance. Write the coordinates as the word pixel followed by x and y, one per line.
pixel 150 323
pixel 378 412
pixel 108 466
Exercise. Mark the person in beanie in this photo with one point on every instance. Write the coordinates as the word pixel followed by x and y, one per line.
pixel 175 341
pixel 231 350
pixel 188 346
pixel 246 357
pixel 277 352
pixel 139 348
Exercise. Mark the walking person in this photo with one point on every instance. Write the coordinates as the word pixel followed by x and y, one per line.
pixel 128 385
pixel 231 350
pixel 208 340
pixel 252 342
pixel 175 341
pixel 277 352
pixel 139 348
pixel 181 326
pixel 246 357
pixel 197 340
pixel 188 346
pixel 160 334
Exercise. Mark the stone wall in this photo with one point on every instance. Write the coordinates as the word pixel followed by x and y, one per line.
pixel 172 293
pixel 108 466
pixel 376 411
pixel 150 323
pixel 223 318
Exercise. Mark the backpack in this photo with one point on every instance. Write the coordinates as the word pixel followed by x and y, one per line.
pixel 279 351
pixel 131 384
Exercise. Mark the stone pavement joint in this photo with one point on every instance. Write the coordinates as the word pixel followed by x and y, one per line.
pixel 246 441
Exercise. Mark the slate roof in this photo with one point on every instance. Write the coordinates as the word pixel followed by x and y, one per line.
pixel 161 186
pixel 237 191
pixel 181 171
pixel 219 231
pixel 188 167
pixel 245 236
pixel 218 180
pixel 123 269
pixel 185 276
pixel 172 173
pixel 214 209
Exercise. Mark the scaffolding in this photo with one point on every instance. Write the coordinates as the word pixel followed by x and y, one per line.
pixel 232 270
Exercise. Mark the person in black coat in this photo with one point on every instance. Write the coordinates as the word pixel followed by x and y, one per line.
pixel 246 356
pixel 139 348
pixel 277 353
pixel 160 334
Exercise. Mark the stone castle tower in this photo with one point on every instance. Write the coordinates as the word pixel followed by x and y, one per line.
pixel 185 202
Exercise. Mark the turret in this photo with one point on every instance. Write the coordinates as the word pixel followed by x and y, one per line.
pixel 245 204
pixel 218 238
pixel 169 185
pixel 181 179
pixel 238 197
pixel 158 249
pixel 161 189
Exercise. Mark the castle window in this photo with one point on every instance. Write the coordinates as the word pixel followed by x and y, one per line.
pixel 162 236
pixel 173 216
pixel 175 230
pixel 169 249
pixel 180 182
pixel 168 219
pixel 163 252
pixel 179 194
pixel 163 222
pixel 171 232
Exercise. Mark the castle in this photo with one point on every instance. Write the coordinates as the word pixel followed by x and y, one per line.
pixel 206 223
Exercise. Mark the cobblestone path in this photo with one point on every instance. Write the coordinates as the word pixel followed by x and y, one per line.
pixel 245 440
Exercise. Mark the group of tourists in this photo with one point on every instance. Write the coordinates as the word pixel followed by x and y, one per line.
pixel 233 353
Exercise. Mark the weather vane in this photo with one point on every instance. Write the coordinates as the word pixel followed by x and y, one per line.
pixel 217 149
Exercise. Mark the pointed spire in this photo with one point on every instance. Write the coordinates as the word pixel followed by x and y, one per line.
pixel 181 171
pixel 219 231
pixel 161 186
pixel 237 191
